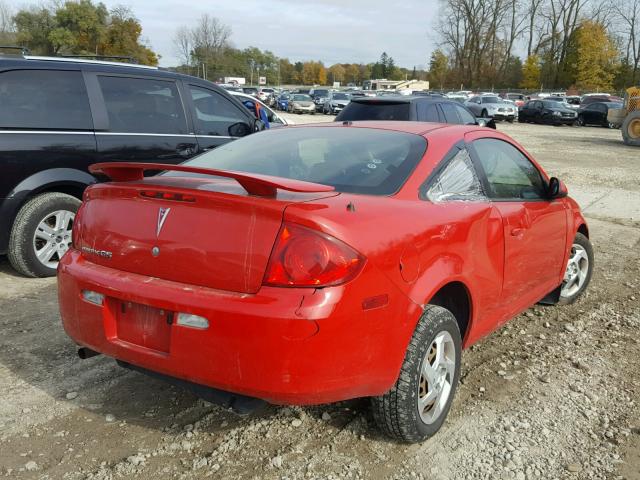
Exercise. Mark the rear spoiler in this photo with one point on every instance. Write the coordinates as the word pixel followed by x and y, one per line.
pixel 254 184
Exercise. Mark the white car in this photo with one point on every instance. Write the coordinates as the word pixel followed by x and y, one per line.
pixel 275 120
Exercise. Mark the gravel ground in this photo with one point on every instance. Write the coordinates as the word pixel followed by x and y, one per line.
pixel 554 394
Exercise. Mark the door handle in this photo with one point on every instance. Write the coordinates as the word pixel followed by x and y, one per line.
pixel 517 232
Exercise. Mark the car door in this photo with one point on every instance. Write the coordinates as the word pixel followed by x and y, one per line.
pixel 600 114
pixel 537 111
pixel 534 226
pixel 140 119
pixel 216 118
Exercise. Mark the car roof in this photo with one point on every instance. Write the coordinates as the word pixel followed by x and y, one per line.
pixel 65 63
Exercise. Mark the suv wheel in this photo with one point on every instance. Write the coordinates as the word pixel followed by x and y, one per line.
pixel 41 234
pixel 416 406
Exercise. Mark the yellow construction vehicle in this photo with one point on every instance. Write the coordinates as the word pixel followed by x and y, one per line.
pixel 628 117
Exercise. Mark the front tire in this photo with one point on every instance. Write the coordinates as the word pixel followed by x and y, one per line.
pixel 579 270
pixel 41 234
pixel 417 405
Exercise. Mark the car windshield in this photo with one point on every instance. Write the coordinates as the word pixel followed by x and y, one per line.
pixel 552 104
pixel 356 160
pixel 340 96
pixel 321 93
pixel 491 100
pixel 301 98
pixel 375 111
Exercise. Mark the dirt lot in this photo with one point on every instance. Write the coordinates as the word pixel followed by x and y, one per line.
pixel 555 394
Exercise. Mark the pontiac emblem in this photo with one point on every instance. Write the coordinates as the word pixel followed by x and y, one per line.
pixel 162 216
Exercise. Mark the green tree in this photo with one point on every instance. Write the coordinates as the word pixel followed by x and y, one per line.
pixel 438 69
pixel 531 73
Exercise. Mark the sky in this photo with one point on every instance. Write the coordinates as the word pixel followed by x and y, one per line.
pixel 333 31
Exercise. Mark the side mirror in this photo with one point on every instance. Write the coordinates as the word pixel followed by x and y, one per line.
pixel 556 188
pixel 486 122
pixel 239 129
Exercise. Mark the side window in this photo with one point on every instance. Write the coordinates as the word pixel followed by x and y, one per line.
pixel 44 99
pixel 465 116
pixel 428 112
pixel 458 181
pixel 510 175
pixel 450 113
pixel 140 105
pixel 214 113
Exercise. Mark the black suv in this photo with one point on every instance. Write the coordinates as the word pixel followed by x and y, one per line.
pixel 418 108
pixel 58 116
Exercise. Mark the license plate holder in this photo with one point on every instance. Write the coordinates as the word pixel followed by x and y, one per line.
pixel 143 325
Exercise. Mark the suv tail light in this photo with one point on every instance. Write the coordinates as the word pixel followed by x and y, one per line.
pixel 303 257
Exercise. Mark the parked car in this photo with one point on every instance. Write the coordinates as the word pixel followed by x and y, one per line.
pixel 265 95
pixel 274 120
pixel 492 106
pixel 60 115
pixel 336 102
pixel 301 103
pixel 421 109
pixel 282 102
pixel 253 91
pixel 342 250
pixel 319 96
pixel 517 98
pixel 548 112
pixel 596 114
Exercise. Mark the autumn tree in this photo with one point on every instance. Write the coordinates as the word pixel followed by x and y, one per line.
pixel 531 73
pixel 336 73
pixel 438 68
pixel 82 28
pixel 596 57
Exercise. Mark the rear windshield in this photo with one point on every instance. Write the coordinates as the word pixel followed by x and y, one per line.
pixel 375 111
pixel 301 98
pixel 355 160
pixel 491 100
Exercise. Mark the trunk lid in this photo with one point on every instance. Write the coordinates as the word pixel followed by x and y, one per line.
pixel 197 231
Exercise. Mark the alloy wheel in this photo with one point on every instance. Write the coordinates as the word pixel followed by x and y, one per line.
pixel 52 237
pixel 577 271
pixel 437 374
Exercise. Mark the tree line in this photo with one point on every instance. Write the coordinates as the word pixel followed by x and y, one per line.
pixel 533 44
pixel 205 49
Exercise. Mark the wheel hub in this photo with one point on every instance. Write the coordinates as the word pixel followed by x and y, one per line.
pixel 436 377
pixel 576 272
pixel 52 237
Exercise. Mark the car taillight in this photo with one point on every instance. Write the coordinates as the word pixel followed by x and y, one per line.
pixel 303 257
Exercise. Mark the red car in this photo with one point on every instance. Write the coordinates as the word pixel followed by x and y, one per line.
pixel 321 263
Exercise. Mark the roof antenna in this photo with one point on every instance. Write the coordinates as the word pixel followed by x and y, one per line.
pixel 351 207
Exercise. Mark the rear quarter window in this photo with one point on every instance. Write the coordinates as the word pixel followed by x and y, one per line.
pixel 44 99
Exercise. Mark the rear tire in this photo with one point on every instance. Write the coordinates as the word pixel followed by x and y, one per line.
pixel 631 129
pixel 404 412
pixel 581 121
pixel 578 271
pixel 39 216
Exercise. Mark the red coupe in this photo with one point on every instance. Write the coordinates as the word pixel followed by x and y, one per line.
pixel 321 263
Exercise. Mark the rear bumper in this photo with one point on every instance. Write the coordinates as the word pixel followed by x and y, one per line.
pixel 282 345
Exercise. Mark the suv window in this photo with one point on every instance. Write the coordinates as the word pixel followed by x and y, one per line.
pixel 139 105
pixel 46 99
pixel 465 116
pixel 458 181
pixel 510 174
pixel 214 113
pixel 428 112
pixel 375 111
pixel 450 113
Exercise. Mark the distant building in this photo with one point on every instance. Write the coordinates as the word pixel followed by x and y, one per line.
pixel 384 84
